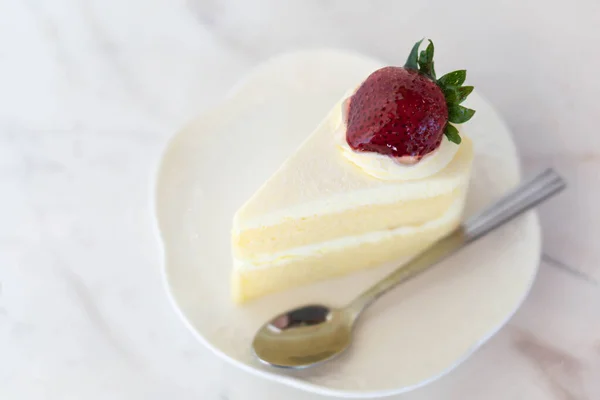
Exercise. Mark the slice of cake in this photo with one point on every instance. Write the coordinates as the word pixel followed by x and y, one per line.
pixel 383 177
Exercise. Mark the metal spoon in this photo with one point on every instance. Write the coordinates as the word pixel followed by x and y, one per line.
pixel 312 334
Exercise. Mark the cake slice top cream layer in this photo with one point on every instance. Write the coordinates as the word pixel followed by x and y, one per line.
pixel 319 179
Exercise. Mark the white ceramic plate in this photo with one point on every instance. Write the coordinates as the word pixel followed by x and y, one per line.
pixel 411 336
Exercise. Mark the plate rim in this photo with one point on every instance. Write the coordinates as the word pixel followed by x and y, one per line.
pixel 273 376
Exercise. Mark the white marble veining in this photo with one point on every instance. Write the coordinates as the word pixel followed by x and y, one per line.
pixel 90 91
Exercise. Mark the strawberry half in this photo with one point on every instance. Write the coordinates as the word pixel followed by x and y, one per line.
pixel 404 111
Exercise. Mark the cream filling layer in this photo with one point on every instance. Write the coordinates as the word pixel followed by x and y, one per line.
pixel 287 256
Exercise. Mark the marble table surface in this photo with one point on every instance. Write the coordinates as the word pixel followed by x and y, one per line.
pixel 91 90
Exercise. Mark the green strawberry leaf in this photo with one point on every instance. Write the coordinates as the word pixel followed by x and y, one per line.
pixel 452 134
pixel 455 95
pixel 451 94
pixel 463 93
pixel 412 60
pixel 459 114
pixel 455 78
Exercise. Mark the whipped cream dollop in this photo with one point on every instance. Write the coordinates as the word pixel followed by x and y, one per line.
pixel 389 168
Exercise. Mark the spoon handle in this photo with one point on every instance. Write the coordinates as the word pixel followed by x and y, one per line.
pixel 524 197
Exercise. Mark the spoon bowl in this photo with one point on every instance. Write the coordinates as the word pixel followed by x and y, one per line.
pixel 304 337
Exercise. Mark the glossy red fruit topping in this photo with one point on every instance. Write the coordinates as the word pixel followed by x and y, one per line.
pixel 405 111
pixel 397 112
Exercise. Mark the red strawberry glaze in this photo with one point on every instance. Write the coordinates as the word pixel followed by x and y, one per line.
pixel 397 112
